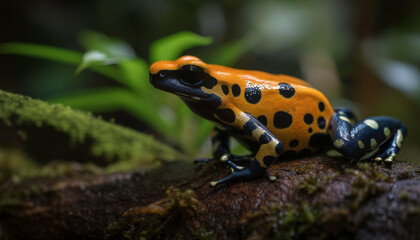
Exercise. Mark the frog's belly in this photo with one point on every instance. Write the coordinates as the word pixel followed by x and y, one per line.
pixel 305 139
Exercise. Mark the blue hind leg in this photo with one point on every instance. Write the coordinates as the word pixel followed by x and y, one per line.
pixel 377 138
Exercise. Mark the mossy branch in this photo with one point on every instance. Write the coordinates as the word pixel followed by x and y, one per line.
pixel 101 139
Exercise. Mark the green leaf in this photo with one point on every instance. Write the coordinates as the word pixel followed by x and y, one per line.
pixel 136 74
pixel 112 47
pixel 103 50
pixel 92 58
pixel 115 98
pixel 109 71
pixel 171 47
pixel 56 54
pixel 42 51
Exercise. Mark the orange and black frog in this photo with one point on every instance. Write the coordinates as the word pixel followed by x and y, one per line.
pixel 272 115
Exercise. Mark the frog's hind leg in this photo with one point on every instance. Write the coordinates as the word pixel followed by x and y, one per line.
pixel 391 147
pixel 379 138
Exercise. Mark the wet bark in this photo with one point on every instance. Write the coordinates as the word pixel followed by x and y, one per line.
pixel 314 197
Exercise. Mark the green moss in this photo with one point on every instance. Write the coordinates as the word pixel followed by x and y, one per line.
pixel 143 235
pixel 165 212
pixel 104 139
pixel 12 163
pixel 305 168
pixel 365 185
pixel 16 165
pixel 203 234
pixel 404 195
pixel 292 221
pixel 9 200
pixel 7 205
pixel 184 202
pixel 413 209
pixel 314 183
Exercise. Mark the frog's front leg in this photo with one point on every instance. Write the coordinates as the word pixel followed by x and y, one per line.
pixel 379 138
pixel 220 145
pixel 221 149
pixel 270 148
pixel 220 142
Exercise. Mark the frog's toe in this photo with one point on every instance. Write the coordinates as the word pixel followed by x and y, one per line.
pixel 236 158
pixel 271 177
pixel 234 167
pixel 386 157
pixel 378 159
pixel 390 158
pixel 224 157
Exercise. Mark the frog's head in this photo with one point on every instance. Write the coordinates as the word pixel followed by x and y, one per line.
pixel 186 77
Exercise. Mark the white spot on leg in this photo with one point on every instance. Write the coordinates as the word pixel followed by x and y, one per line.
pixel 344 119
pixel 361 145
pixel 400 138
pixel 390 158
pixel 387 132
pixel 373 143
pixel 224 157
pixel 371 123
pixel 338 143
pixel 334 153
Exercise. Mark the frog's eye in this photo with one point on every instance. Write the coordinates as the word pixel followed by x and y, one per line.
pixel 192 74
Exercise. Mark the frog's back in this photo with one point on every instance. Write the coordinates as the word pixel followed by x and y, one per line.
pixel 296 113
pixel 300 121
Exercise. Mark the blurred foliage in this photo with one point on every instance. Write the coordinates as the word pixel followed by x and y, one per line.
pixel 115 59
pixel 394 58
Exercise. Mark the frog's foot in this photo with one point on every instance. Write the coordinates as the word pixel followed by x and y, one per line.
pixel 386 156
pixel 378 138
pixel 391 148
pixel 387 159
pixel 226 157
pixel 252 171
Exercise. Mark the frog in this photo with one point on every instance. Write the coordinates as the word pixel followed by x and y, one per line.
pixel 275 116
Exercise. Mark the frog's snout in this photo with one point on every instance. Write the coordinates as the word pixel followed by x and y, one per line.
pixel 156 78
